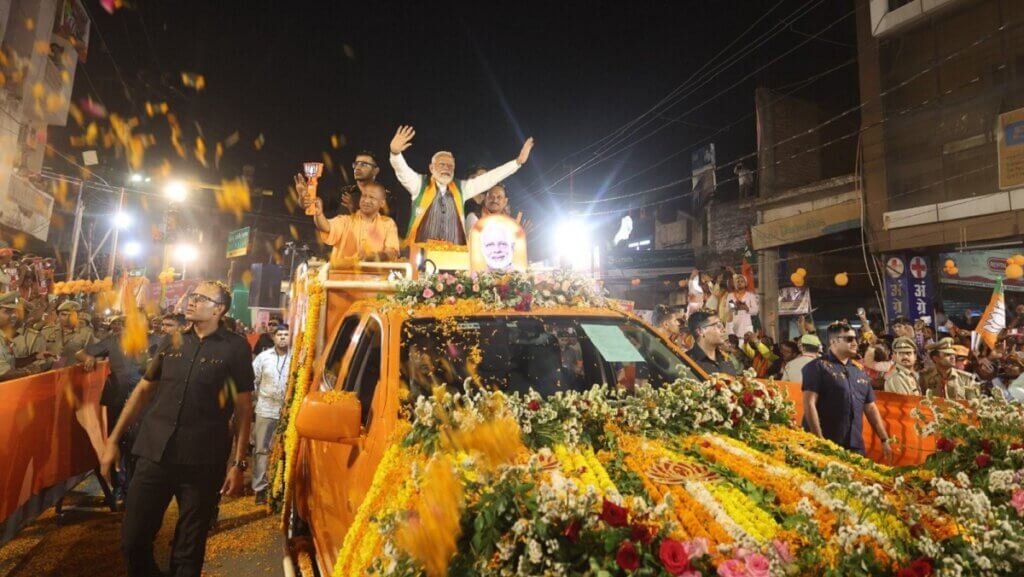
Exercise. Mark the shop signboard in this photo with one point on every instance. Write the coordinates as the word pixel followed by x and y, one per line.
pixel 896 288
pixel 909 291
pixel 806 225
pixel 1010 137
pixel 980 269
pixel 629 263
pixel 922 291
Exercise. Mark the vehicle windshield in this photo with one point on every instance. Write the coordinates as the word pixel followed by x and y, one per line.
pixel 544 353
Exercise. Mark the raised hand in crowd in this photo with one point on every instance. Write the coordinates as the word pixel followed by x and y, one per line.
pixel 403 140
pixel 524 154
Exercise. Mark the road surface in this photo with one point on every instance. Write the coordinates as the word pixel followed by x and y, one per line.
pixel 85 541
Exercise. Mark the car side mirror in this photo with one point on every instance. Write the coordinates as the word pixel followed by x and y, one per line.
pixel 330 417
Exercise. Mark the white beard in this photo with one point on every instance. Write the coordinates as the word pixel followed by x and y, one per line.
pixel 442 181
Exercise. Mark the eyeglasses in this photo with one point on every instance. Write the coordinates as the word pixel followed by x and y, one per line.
pixel 194 297
pixel 363 164
pixel 716 324
pixel 847 338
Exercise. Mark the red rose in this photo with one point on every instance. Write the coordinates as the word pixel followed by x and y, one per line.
pixel 503 290
pixel 758 393
pixel 534 405
pixel 613 514
pixel 916 530
pixel 735 417
pixel 905 572
pixel 527 298
pixel 641 534
pixel 922 567
pixel 748 399
pixel 986 446
pixel 572 531
pixel 982 461
pixel 1016 446
pixel 673 557
pixel 627 556
pixel 945 445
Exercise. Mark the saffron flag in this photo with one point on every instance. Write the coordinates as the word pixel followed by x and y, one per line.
pixel 993 321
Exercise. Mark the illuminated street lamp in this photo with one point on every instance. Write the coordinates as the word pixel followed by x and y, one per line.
pixel 122 220
pixel 176 191
pixel 184 253
pixel 132 248
pixel 136 177
pixel 573 240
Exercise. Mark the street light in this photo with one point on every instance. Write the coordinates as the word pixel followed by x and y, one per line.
pixel 122 219
pixel 136 177
pixel 574 247
pixel 184 253
pixel 132 248
pixel 176 191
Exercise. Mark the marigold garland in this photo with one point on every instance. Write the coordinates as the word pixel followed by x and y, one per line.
pixel 392 478
pixel 301 371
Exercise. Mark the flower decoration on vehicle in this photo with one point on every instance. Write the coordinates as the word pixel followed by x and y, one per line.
pixel 501 291
pixel 694 478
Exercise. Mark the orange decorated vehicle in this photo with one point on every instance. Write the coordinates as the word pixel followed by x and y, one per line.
pixel 374 355
pixel 370 342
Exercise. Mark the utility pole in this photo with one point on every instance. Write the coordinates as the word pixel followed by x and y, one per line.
pixel 76 232
pixel 117 228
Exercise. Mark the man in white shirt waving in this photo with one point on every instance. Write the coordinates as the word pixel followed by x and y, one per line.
pixel 437 198
pixel 271 369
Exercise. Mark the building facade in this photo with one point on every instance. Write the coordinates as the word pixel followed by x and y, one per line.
pixel 42 43
pixel 942 104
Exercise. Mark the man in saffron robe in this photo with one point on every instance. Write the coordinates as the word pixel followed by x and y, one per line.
pixel 437 198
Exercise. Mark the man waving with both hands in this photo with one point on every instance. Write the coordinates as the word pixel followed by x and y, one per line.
pixel 437 198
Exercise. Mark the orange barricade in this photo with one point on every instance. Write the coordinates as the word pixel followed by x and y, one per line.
pixel 895 410
pixel 51 429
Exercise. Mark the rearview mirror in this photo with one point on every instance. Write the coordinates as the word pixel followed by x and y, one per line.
pixel 330 417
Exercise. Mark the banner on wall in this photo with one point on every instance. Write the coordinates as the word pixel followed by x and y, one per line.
pixel 980 269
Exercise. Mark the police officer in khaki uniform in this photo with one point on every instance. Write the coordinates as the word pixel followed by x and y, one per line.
pixel 29 338
pixel 903 379
pixel 944 379
pixel 8 313
pixel 66 337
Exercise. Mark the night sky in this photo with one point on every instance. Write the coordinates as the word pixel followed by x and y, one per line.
pixel 474 78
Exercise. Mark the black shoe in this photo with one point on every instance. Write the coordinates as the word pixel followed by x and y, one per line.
pixel 261 497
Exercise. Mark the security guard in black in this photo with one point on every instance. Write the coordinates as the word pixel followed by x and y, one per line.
pixel 196 382
pixel 188 418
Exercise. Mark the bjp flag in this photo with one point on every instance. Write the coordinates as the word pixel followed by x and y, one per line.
pixel 993 321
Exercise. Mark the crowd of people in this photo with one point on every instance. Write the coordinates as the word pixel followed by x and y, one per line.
pixel 909 358
pixel 840 371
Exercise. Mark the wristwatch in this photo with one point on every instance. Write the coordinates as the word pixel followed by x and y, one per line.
pixel 242 465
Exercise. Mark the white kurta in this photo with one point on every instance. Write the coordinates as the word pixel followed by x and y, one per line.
pixel 742 321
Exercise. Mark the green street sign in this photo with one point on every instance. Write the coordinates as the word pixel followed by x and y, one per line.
pixel 238 242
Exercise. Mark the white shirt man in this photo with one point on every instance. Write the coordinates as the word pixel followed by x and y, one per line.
pixel 436 214
pixel 810 346
pixel 744 305
pixel 271 369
